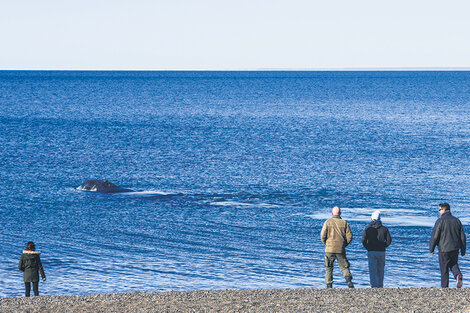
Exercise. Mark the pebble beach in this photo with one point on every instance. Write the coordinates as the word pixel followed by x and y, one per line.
pixel 260 300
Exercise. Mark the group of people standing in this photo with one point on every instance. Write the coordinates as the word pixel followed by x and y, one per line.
pixel 448 234
pixel 336 235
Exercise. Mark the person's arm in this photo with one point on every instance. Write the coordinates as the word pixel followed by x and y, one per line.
pixel 463 241
pixel 436 234
pixel 349 235
pixel 324 233
pixel 21 265
pixel 41 269
pixel 364 238
pixel 388 239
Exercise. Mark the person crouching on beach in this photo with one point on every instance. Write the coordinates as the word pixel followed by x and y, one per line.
pixel 449 235
pixel 336 235
pixel 30 264
pixel 375 239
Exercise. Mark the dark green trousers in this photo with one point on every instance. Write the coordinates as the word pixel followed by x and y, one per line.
pixel 343 265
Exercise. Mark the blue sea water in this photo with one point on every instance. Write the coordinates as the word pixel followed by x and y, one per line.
pixel 234 172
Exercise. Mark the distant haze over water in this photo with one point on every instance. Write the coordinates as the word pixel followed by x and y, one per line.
pixel 234 174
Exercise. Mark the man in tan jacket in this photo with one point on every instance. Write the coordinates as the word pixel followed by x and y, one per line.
pixel 336 235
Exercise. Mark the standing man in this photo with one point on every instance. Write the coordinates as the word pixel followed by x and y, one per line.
pixel 449 235
pixel 336 235
pixel 375 239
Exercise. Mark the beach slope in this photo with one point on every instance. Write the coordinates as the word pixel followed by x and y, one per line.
pixel 262 300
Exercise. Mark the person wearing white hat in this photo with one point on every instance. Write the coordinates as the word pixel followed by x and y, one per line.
pixel 376 238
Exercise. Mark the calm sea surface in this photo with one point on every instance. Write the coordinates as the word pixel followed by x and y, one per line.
pixel 234 172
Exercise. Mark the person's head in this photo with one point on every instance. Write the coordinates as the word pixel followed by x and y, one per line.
pixel 375 216
pixel 444 207
pixel 336 211
pixel 30 246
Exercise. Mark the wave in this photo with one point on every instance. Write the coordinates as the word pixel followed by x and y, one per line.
pixel 393 217
pixel 151 193
pixel 243 204
pixel 145 193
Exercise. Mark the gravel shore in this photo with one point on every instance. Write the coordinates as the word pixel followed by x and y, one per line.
pixel 262 300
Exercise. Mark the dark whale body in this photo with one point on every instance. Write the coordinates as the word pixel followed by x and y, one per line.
pixel 98 185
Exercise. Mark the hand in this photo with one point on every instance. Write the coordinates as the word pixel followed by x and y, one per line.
pixel 44 279
pixel 432 252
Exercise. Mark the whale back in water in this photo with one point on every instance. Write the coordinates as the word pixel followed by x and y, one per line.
pixel 98 185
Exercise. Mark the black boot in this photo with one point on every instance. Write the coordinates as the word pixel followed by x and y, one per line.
pixel 350 283
pixel 328 286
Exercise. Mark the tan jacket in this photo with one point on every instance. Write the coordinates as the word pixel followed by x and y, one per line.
pixel 336 235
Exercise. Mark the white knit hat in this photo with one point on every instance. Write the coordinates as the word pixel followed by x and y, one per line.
pixel 375 216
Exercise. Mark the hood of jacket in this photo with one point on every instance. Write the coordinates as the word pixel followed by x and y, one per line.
pixel 376 224
pixel 31 252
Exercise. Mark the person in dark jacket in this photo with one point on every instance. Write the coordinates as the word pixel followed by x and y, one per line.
pixel 30 264
pixel 376 238
pixel 449 235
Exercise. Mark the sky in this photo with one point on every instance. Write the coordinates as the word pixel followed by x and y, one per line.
pixel 233 35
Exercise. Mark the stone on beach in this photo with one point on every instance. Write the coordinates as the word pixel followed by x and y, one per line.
pixel 258 300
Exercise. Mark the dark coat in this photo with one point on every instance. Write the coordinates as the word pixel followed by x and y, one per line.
pixel 30 264
pixel 448 234
pixel 376 237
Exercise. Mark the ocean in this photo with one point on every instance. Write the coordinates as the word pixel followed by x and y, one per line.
pixel 234 174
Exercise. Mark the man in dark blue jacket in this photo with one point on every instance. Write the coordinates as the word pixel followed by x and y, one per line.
pixel 449 235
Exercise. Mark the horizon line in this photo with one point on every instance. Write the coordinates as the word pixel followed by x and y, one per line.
pixel 327 69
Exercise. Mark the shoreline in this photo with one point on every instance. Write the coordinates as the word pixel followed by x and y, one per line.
pixel 254 300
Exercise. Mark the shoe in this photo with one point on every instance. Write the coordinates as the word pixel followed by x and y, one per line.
pixel 459 281
pixel 329 286
pixel 350 284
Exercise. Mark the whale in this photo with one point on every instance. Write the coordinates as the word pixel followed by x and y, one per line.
pixel 104 186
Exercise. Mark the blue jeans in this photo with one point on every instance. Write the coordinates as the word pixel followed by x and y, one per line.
pixel 376 268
